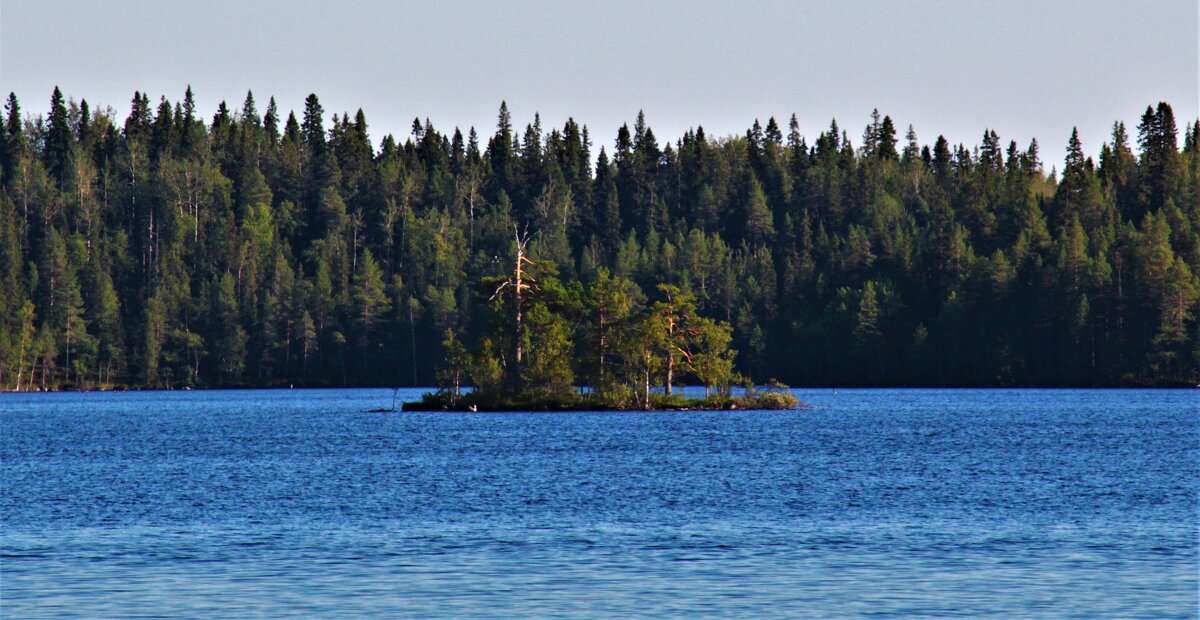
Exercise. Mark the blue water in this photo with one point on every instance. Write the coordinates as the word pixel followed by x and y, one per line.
pixel 876 502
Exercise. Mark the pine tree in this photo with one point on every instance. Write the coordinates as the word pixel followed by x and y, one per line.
pixel 229 337
pixel 313 128
pixel 867 333
pixel 105 315
pixel 758 222
pixel 550 350
pixel 13 140
pixel 887 139
pixel 500 154
pixel 1160 159
pixel 58 138
pixel 1177 314
pixel 371 302
pixel 610 304
pixel 712 361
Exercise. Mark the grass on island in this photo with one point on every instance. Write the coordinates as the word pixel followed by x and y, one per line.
pixel 619 400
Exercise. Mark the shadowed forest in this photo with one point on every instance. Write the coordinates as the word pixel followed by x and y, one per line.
pixel 170 248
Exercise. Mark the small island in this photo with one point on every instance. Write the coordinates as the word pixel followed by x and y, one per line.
pixel 594 346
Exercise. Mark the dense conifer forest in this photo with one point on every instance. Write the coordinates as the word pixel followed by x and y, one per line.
pixel 255 248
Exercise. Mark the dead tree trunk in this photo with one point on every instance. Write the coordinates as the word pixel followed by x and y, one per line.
pixel 520 283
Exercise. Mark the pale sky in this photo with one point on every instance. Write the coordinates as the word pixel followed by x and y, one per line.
pixel 1020 67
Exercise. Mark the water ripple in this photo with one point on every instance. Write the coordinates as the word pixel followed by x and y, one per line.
pixel 876 503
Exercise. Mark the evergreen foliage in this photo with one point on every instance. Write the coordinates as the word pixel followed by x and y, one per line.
pixel 161 250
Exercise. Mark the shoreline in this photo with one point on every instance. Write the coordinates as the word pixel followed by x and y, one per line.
pixel 419 407
pixel 1163 386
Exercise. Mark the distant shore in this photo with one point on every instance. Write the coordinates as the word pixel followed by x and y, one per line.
pixel 1132 386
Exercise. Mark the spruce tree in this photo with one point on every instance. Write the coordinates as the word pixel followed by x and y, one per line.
pixel 58 138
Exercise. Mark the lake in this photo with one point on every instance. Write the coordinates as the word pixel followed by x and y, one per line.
pixel 875 502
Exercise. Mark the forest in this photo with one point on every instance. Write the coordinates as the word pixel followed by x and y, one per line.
pixel 169 249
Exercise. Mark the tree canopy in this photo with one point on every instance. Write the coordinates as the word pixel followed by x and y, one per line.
pixel 170 249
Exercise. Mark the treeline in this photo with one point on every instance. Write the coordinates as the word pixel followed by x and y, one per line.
pixel 167 250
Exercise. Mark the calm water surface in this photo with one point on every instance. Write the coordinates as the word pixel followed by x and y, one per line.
pixel 876 502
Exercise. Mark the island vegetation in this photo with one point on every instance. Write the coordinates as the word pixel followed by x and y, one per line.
pixel 159 249
pixel 539 330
